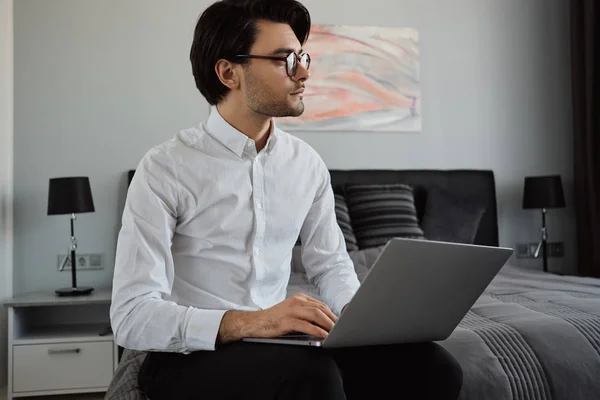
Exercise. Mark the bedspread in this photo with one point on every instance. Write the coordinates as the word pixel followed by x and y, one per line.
pixel 531 335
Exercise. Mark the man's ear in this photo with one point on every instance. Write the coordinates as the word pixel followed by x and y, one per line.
pixel 227 73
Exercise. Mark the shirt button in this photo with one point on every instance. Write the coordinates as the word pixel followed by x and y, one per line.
pixel 257 251
pixel 259 206
pixel 249 143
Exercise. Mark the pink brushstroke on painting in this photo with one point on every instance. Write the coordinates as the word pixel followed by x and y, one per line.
pixel 362 79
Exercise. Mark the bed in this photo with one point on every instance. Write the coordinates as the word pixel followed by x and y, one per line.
pixel 531 335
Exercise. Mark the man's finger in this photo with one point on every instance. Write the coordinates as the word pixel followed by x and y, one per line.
pixel 310 329
pixel 316 316
pixel 323 307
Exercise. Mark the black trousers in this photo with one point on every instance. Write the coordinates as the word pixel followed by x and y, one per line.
pixel 242 370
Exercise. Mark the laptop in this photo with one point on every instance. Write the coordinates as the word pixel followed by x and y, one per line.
pixel 416 291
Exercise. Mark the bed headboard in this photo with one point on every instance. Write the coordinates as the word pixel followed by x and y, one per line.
pixel 478 186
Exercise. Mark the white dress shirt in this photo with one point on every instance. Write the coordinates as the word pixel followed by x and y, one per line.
pixel 209 225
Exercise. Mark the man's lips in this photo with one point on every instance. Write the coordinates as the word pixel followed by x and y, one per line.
pixel 300 91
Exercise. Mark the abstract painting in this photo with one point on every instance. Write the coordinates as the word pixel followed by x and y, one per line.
pixel 362 79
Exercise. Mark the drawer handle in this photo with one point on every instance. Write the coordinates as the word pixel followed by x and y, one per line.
pixel 63 351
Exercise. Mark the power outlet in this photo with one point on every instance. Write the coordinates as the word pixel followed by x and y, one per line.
pixel 83 262
pixel 523 250
pixel 527 250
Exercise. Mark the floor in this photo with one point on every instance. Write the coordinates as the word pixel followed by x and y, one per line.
pixel 93 396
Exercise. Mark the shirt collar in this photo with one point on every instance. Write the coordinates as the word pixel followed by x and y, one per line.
pixel 233 139
pixel 273 137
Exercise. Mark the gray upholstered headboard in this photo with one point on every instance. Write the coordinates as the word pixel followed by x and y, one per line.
pixel 478 186
pixel 475 186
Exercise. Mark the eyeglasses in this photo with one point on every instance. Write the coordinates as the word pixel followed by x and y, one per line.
pixel 291 61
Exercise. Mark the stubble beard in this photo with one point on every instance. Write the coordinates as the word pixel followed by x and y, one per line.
pixel 262 101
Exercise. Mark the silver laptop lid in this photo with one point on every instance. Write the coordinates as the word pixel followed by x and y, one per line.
pixel 417 291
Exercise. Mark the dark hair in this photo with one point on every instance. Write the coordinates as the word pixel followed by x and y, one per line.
pixel 229 27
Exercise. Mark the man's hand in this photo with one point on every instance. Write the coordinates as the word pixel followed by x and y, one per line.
pixel 299 313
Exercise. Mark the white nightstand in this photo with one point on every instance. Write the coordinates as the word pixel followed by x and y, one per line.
pixel 60 345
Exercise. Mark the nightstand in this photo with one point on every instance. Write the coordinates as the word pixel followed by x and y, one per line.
pixel 60 345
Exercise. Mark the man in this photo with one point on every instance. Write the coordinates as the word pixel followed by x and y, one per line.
pixel 210 221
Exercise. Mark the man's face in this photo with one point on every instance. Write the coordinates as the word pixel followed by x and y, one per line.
pixel 267 88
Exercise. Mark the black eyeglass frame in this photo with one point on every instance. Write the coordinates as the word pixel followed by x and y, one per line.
pixel 289 63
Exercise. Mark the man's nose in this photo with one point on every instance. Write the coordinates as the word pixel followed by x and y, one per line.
pixel 302 74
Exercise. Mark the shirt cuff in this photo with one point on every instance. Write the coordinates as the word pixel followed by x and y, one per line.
pixel 202 329
pixel 341 300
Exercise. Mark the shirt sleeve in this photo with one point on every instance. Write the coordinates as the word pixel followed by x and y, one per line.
pixel 141 317
pixel 324 253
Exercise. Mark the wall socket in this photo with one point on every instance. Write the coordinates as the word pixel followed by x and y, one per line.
pixel 83 262
pixel 527 250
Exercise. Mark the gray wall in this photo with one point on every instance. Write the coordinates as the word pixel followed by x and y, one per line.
pixel 99 82
pixel 6 151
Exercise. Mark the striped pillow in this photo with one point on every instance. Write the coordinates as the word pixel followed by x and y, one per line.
pixel 343 220
pixel 380 212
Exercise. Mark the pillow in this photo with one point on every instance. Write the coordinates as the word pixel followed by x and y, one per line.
pixel 364 259
pixel 450 219
pixel 380 212
pixel 343 220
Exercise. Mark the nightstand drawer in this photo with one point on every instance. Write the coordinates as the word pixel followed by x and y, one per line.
pixel 59 366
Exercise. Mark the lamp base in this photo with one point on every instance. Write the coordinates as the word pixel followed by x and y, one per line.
pixel 79 291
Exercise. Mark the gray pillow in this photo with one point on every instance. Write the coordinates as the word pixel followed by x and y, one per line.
pixel 343 219
pixel 364 259
pixel 380 212
pixel 450 219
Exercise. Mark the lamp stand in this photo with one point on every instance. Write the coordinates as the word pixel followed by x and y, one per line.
pixel 543 242
pixel 73 290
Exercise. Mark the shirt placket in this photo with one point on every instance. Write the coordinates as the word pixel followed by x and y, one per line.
pixel 259 212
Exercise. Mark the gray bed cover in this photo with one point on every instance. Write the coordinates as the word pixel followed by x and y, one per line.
pixel 531 335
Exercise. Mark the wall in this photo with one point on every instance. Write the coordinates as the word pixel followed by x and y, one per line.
pixel 98 83
pixel 6 152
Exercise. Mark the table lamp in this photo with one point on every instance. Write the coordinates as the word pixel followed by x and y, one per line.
pixel 543 192
pixel 71 196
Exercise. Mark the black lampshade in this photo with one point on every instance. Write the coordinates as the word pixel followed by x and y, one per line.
pixel 543 192
pixel 70 196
